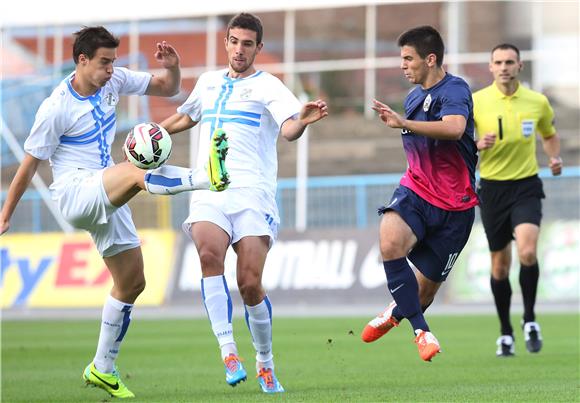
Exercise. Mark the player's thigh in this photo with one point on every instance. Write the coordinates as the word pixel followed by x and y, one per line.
pixel 122 182
pixel 251 252
pixel 211 242
pixel 403 223
pixel 396 236
pixel 126 267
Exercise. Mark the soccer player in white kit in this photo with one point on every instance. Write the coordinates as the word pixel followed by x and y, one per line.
pixel 74 128
pixel 252 107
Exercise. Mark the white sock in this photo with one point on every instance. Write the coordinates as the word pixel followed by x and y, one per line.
pixel 259 320
pixel 170 180
pixel 218 304
pixel 115 321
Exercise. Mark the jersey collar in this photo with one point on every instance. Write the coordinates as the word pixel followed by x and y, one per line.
pixel 501 95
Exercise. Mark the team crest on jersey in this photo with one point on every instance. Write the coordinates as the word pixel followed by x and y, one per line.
pixel 110 99
pixel 427 103
pixel 246 93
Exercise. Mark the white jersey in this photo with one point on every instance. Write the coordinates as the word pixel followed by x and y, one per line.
pixel 251 111
pixel 77 132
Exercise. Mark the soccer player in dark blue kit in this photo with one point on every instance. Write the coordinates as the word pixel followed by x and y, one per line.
pixel 430 215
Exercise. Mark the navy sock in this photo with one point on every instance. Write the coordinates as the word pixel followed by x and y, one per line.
pixel 397 314
pixel 405 291
pixel 502 294
pixel 529 276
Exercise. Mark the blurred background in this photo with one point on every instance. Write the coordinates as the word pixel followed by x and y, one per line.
pixel 330 182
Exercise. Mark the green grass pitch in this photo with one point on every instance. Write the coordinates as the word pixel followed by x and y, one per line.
pixel 318 360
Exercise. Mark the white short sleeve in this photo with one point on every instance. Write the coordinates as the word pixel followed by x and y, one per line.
pixel 49 125
pixel 131 82
pixel 282 103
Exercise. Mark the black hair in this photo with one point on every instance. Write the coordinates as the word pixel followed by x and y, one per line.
pixel 426 40
pixel 89 39
pixel 247 21
pixel 505 46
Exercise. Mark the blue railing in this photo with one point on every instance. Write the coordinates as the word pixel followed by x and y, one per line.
pixel 333 202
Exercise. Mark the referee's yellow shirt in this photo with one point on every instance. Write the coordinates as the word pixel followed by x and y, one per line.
pixel 523 115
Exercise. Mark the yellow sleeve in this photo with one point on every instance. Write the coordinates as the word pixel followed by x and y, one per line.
pixel 546 122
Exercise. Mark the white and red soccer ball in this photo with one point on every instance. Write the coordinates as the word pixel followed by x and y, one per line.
pixel 147 146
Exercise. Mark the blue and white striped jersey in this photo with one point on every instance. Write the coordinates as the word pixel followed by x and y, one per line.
pixel 73 131
pixel 251 111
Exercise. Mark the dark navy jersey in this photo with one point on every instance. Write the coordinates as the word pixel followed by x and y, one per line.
pixel 441 171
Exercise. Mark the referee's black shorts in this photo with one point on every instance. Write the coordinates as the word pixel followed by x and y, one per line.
pixel 506 204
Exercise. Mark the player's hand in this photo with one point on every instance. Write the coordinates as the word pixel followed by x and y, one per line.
pixel 166 55
pixel 313 111
pixel 387 115
pixel 4 225
pixel 486 141
pixel 555 165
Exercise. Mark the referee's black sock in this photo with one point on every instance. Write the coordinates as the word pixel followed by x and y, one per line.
pixel 529 276
pixel 502 294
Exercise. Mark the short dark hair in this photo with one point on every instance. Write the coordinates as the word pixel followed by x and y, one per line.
pixel 506 46
pixel 426 40
pixel 247 21
pixel 89 39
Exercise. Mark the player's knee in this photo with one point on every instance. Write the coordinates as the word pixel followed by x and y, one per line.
pixel 211 263
pixel 500 271
pixel 392 249
pixel 250 289
pixel 528 257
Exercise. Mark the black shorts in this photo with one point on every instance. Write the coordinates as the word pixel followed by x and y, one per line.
pixel 441 234
pixel 506 204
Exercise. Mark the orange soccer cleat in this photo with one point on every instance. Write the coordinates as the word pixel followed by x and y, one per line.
pixel 427 344
pixel 380 325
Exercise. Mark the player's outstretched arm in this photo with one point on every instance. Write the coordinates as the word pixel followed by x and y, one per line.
pixel 168 84
pixel 311 112
pixel 177 122
pixel 19 184
pixel 451 127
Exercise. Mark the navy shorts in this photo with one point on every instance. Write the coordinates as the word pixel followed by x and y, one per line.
pixel 441 234
pixel 506 204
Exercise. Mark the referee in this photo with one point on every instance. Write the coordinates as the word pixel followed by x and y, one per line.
pixel 508 117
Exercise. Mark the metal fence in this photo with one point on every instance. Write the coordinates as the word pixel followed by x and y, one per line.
pixel 333 202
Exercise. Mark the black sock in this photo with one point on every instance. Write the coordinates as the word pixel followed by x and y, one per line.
pixel 404 288
pixel 529 276
pixel 502 294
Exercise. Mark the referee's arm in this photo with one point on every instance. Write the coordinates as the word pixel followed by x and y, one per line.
pixel 552 149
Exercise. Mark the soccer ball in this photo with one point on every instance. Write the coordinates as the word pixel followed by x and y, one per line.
pixel 147 146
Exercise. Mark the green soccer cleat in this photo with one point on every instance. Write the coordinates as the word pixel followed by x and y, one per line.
pixel 216 168
pixel 111 383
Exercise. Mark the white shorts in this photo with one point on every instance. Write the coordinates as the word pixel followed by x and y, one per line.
pixel 83 202
pixel 240 212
